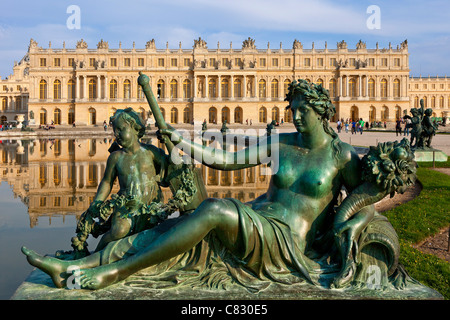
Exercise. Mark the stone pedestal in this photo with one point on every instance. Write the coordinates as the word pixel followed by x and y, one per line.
pixel 38 286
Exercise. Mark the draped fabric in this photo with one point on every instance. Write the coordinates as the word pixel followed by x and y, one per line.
pixel 269 252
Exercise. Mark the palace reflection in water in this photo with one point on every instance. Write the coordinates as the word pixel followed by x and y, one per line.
pixel 59 177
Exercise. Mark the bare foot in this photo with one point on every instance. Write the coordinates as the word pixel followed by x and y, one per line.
pixel 99 277
pixel 55 268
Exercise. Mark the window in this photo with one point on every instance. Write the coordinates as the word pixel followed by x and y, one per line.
pixel 161 62
pixel 127 89
pixel 274 62
pixel 383 88
pixel 212 115
pixel 287 62
pixel 92 89
pixel 333 62
pixel 92 116
pixel 262 62
pixel 187 62
pixel 186 89
pixel 212 88
pixel 173 62
pixel 396 88
pixel 70 62
pixel 43 89
pixel 274 88
pixel 113 62
pixel 287 82
pixel 384 62
pixel 160 89
pixel 71 116
pixel 397 62
pixel 57 62
pixel 352 88
pixel 320 62
pixel 237 62
pixel 263 115
pixel 140 62
pixel 71 89
pixel 332 88
pixel 352 62
pixel 237 88
pixel 57 89
pixel 371 62
pixel 174 115
pixel 91 62
pixel 224 88
pixel 307 62
pixel 262 88
pixel 371 87
pixel 43 62
pixel 225 62
pixel 57 119
pixel 212 62
pixel 113 89
pixel 126 62
pixel 173 89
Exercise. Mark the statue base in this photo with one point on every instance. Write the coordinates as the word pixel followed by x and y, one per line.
pixel 39 286
pixel 426 155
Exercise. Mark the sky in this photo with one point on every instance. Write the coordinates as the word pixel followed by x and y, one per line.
pixel 425 24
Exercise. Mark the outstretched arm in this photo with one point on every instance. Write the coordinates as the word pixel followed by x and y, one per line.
pixel 220 159
pixel 106 184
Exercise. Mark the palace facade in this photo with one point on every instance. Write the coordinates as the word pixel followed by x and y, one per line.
pixel 85 86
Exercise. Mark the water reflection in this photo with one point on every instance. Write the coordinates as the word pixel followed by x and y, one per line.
pixel 59 177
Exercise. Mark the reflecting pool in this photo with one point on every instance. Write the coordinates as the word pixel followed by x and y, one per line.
pixel 46 184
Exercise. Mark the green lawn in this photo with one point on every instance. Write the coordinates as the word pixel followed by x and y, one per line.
pixel 420 218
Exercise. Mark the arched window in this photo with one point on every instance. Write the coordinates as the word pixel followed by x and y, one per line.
pixel 225 114
pixel 92 116
pixel 43 117
pixel 372 114
pixel 332 88
pixel 371 88
pixel 384 113
pixel 396 88
pixel 140 93
pixel 212 88
pixel 56 89
pixel 433 102
pixel 441 102
pixel 416 102
pixel 113 89
pixel 186 89
pixel 384 88
pixel 287 115
pixel 276 114
pixel 354 113
pixel 4 104
pixel 43 89
pixel 71 89
pixel 425 102
pixel 319 82
pixel 237 88
pixel 127 89
pixel 92 89
pixel 160 89
pixel 398 112
pixel 212 113
pixel 287 82
pixel 71 116
pixel 174 115
pixel 187 115
pixel 263 115
pixel 274 88
pixel 262 88
pixel 173 89
pixel 224 88
pixel 238 115
pixel 57 116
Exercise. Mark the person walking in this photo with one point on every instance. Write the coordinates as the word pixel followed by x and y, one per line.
pixel 346 126
pixel 353 127
pixel 398 127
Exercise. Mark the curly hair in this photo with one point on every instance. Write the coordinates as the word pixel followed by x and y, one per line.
pixel 132 118
pixel 319 100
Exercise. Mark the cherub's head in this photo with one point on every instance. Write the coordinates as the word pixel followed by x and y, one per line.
pixel 130 117
pixel 429 112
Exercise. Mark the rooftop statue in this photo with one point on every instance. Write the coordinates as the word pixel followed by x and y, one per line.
pixel 298 232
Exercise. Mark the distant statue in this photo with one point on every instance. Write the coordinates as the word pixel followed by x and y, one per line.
pixel 428 129
pixel 416 125
pixel 270 127
pixel 224 128
pixel 204 125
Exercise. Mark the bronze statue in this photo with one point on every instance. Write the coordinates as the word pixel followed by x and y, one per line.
pixel 297 232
